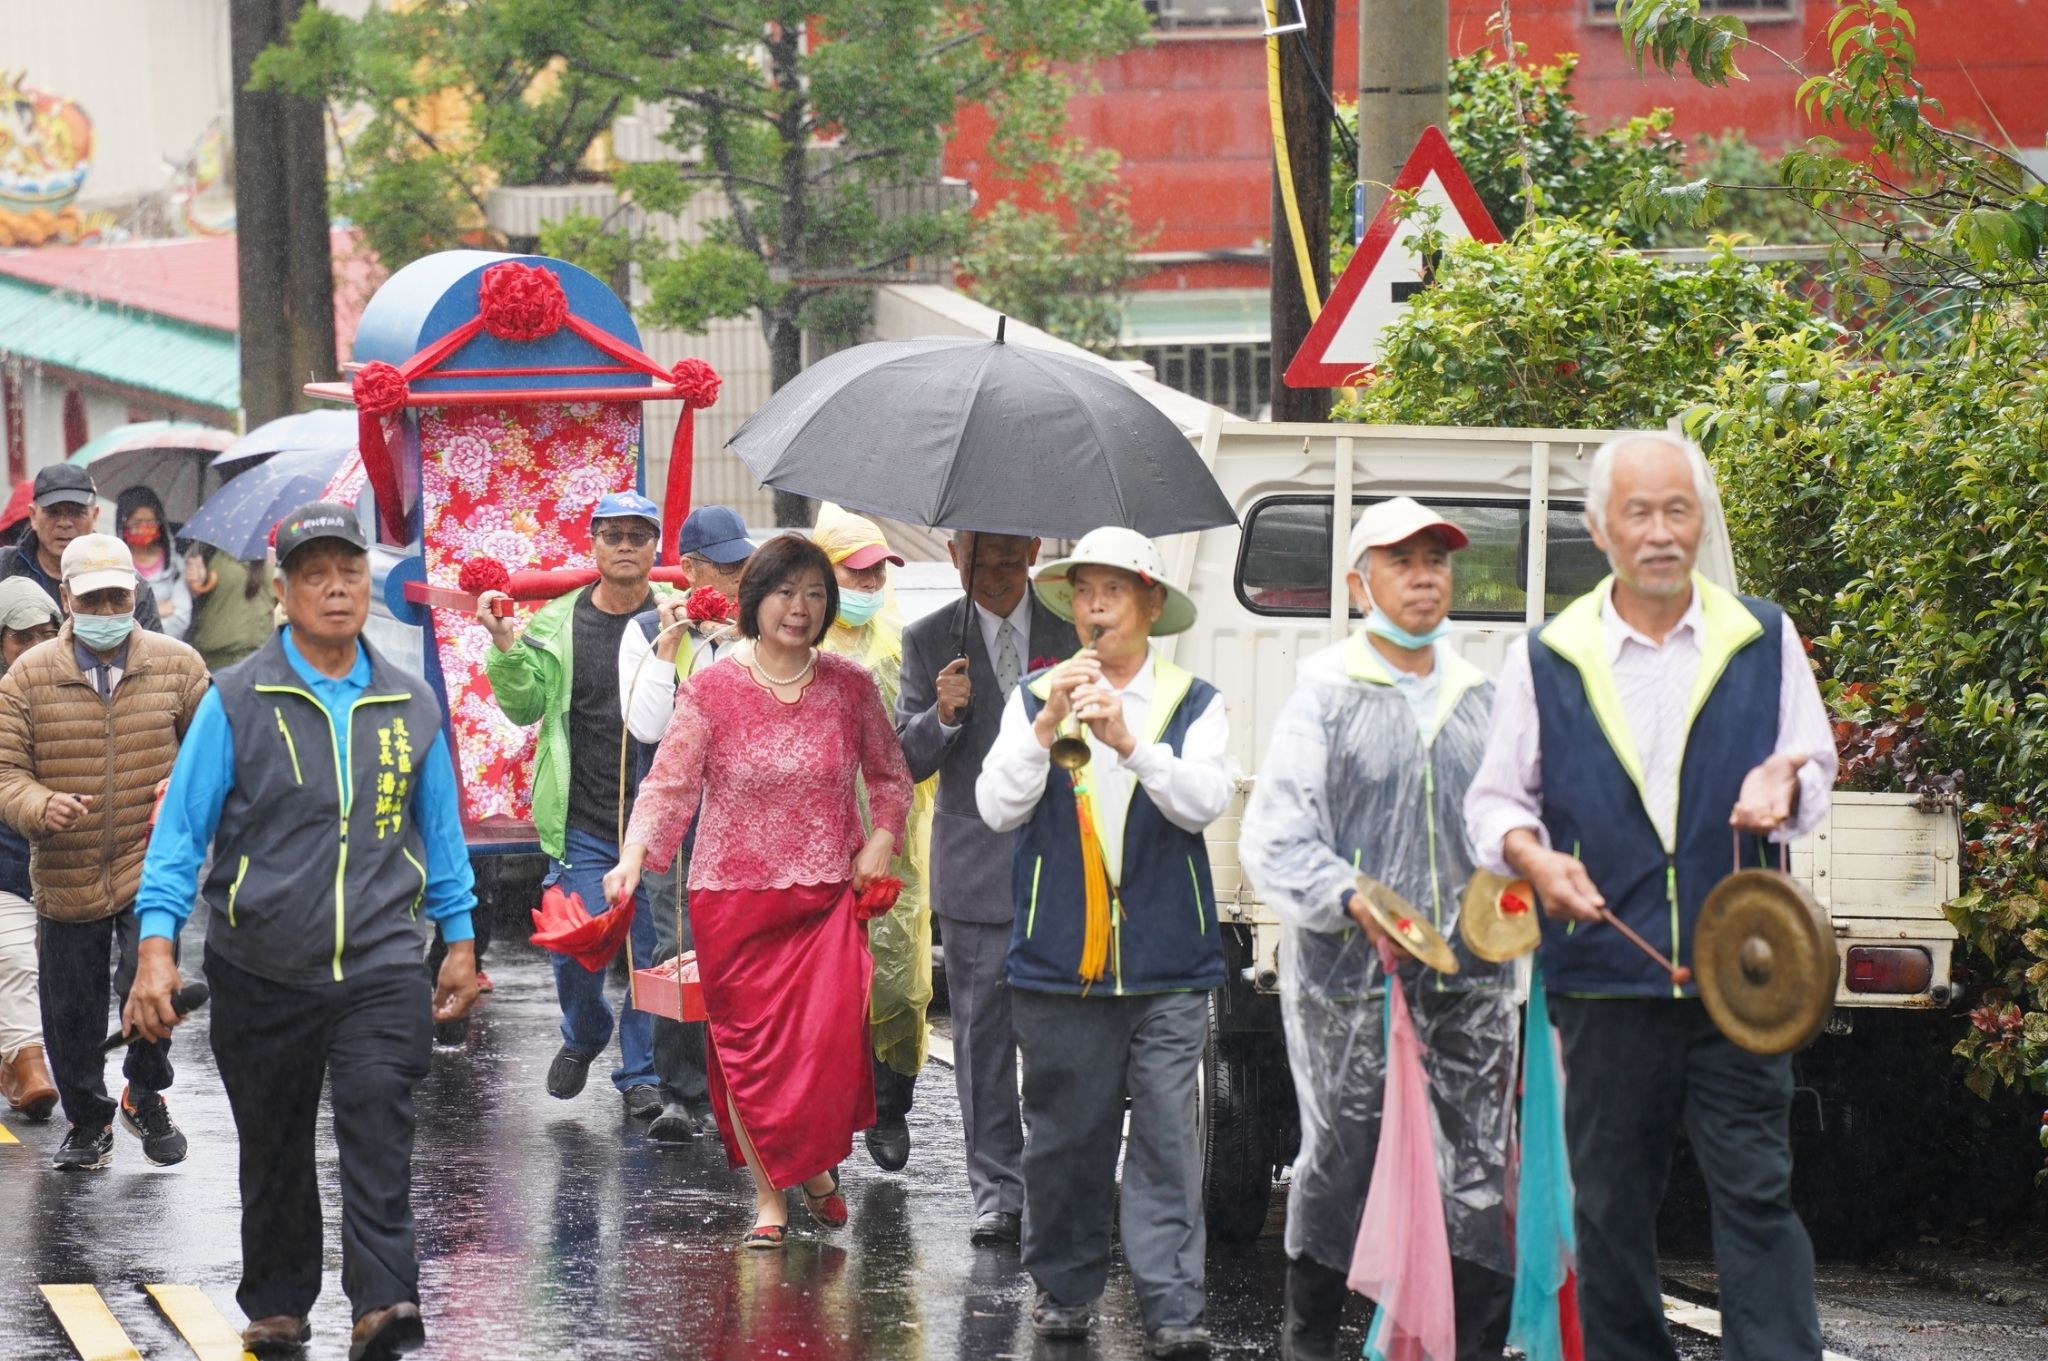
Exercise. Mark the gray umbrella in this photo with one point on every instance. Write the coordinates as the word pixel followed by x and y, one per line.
pixel 982 435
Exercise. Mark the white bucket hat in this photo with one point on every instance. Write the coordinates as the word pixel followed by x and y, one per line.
pixel 1114 546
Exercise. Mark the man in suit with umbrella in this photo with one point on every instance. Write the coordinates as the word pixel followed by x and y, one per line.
pixel 959 666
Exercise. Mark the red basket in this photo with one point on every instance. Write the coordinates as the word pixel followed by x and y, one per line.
pixel 671 989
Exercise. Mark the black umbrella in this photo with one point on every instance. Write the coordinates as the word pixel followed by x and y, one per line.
pixel 981 435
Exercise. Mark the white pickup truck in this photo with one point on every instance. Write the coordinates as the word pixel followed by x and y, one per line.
pixel 1272 592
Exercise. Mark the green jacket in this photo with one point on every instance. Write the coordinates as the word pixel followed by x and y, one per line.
pixel 531 683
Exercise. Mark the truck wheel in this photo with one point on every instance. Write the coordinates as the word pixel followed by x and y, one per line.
pixel 1237 1173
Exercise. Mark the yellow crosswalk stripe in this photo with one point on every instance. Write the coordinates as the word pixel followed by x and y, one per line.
pixel 91 1325
pixel 7 1136
pixel 210 1336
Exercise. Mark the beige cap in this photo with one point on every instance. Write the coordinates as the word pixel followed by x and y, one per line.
pixel 1386 523
pixel 94 562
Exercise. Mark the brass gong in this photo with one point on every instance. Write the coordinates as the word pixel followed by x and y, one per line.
pixel 1764 953
pixel 1405 926
pixel 1498 917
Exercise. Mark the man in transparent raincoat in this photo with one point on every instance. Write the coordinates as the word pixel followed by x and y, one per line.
pixel 1366 775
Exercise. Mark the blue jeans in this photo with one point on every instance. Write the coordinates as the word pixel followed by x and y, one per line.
pixel 586 1011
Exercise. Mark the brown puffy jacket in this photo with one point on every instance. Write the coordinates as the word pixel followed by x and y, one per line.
pixel 58 736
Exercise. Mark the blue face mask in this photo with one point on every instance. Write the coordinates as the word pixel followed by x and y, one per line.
pixel 857 607
pixel 102 632
pixel 1380 625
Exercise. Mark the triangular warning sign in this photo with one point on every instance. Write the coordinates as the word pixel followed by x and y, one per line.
pixel 1384 273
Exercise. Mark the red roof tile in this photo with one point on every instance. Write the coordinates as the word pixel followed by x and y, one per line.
pixel 190 279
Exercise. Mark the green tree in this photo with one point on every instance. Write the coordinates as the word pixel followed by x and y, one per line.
pixel 1565 327
pixel 813 123
pixel 1953 210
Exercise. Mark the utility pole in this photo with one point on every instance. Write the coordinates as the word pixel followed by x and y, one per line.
pixel 1404 74
pixel 1306 60
pixel 284 269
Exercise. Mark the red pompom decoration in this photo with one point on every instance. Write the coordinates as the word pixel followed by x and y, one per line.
pixel 379 388
pixel 483 574
pixel 877 898
pixel 521 302
pixel 708 605
pixel 696 382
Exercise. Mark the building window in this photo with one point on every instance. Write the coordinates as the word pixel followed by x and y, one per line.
pixel 75 434
pixel 1233 376
pixel 1603 10
pixel 1283 564
pixel 1185 16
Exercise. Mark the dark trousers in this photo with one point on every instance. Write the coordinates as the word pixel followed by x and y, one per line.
pixel 1635 1071
pixel 1082 1057
pixel 370 1036
pixel 73 960
pixel 1315 1309
pixel 678 1045
pixel 985 1061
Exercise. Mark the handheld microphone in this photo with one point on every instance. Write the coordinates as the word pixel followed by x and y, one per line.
pixel 184 1001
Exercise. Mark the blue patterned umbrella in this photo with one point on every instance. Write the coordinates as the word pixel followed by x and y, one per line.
pixel 239 517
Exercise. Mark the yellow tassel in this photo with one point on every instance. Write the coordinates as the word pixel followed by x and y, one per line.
pixel 1094 897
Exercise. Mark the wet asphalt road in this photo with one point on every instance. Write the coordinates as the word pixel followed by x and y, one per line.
pixel 557 1229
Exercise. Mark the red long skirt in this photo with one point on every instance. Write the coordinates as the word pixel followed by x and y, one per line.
pixel 786 973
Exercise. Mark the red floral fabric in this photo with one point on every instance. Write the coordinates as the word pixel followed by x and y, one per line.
pixel 515 483
pixel 776 781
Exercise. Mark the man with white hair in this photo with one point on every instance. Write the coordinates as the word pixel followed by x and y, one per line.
pixel 1655 733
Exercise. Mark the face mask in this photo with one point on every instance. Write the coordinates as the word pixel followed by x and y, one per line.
pixel 1380 625
pixel 857 607
pixel 141 536
pixel 102 632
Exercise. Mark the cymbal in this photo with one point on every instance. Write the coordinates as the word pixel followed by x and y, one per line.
pixel 1406 926
pixel 1764 953
pixel 1498 917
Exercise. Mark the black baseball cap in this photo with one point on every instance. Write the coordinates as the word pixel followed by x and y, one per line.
pixel 318 520
pixel 62 483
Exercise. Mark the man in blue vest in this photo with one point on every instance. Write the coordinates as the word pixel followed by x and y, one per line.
pixel 1115 948
pixel 316 762
pixel 1654 734
pixel 1366 774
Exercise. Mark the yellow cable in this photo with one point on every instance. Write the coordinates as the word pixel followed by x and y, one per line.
pixel 1285 168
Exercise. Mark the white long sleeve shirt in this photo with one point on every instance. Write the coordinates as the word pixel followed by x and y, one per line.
pixel 1190 790
pixel 647 694
pixel 1655 683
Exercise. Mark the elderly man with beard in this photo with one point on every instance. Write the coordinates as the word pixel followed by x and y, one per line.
pixel 1654 734
pixel 1366 775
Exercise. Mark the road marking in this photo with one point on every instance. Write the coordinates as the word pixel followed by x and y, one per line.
pixel 942 1048
pixel 90 1324
pixel 1701 1319
pixel 210 1336
pixel 7 1136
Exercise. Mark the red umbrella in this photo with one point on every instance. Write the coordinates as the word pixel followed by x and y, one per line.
pixel 561 924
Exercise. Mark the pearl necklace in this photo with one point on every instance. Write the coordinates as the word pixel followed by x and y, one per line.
pixel 810 660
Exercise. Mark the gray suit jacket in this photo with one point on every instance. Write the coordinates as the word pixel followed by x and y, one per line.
pixel 970 863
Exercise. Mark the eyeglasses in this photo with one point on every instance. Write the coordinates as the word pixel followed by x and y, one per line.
pixel 616 538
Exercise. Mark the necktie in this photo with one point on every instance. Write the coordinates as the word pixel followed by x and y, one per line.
pixel 1009 667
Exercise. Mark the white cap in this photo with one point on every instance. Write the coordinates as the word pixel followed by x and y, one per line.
pixel 1386 523
pixel 1114 546
pixel 93 562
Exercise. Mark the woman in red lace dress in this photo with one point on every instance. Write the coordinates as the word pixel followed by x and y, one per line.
pixel 770 740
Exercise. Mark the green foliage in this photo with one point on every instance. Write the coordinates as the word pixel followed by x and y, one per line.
pixel 1953 210
pixel 1573 170
pixel 1566 327
pixel 1765 216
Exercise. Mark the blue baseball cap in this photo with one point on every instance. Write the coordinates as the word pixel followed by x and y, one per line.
pixel 626 505
pixel 716 533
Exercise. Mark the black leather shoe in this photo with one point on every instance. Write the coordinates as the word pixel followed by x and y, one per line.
pixel 674 1125
pixel 1315 1309
pixel 996 1229
pixel 280 1335
pixel 643 1102
pixel 1050 1318
pixel 889 1145
pixel 568 1073
pixel 388 1333
pixel 1186 1340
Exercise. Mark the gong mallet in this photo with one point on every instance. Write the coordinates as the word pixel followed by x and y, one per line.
pixel 184 1001
pixel 1680 974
